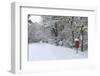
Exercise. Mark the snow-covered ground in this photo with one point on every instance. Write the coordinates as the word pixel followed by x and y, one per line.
pixel 43 51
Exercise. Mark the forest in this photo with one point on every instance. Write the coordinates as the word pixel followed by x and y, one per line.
pixel 58 30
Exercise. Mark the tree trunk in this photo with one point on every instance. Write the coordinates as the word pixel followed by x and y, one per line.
pixel 82 42
pixel 72 31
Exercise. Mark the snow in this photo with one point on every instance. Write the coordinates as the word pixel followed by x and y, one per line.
pixel 35 19
pixel 44 51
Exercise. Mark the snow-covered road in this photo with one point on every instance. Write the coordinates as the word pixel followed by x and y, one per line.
pixel 43 51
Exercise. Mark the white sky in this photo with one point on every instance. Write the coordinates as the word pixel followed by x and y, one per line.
pixel 37 19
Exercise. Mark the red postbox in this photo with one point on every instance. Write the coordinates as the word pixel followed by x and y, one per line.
pixel 77 44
